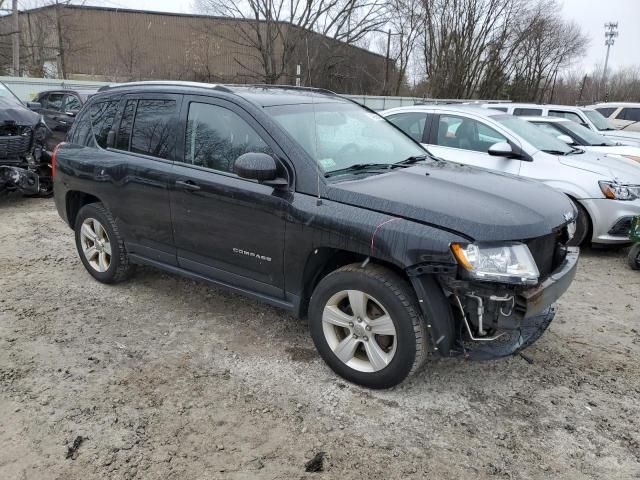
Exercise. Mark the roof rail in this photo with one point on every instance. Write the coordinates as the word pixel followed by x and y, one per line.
pixel 168 83
pixel 284 87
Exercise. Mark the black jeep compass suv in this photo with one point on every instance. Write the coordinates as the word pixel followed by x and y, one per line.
pixel 312 203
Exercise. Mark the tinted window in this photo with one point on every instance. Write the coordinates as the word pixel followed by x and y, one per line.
pixel 410 123
pixel 217 136
pixel 152 131
pixel 574 117
pixel 71 103
pixel 632 114
pixel 81 133
pixel 466 134
pixel 124 132
pixel 606 112
pixel 53 101
pixel 527 112
pixel 102 116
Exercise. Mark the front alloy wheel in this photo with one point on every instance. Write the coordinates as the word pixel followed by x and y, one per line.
pixel 359 331
pixel 366 325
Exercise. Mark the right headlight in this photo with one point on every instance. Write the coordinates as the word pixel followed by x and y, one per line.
pixel 618 191
pixel 510 262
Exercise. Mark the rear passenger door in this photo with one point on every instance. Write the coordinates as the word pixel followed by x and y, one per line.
pixel 142 154
pixel 227 228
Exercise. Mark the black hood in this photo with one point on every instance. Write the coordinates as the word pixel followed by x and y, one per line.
pixel 13 111
pixel 477 203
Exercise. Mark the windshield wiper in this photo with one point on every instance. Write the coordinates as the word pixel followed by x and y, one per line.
pixel 359 167
pixel 557 152
pixel 410 160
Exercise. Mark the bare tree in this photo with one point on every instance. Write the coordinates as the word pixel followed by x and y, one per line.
pixel 406 18
pixel 269 32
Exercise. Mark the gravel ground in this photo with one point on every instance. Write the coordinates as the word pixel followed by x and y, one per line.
pixel 165 378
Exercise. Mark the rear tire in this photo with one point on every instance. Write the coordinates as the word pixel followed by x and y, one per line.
pixel 100 246
pixel 634 257
pixel 583 226
pixel 366 325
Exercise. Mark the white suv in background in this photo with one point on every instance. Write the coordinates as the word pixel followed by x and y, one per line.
pixel 585 116
pixel 606 190
pixel 625 115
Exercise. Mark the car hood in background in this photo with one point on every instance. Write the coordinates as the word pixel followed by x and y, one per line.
pixel 609 167
pixel 474 202
pixel 13 111
pixel 623 136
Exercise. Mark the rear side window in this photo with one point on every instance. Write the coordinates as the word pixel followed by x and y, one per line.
pixel 80 132
pixel 71 103
pixel 146 127
pixel 216 136
pixel 102 116
pixel 527 112
pixel 606 112
pixel 632 114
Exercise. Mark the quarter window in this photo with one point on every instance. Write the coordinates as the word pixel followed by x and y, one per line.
pixel 216 136
pixel 466 134
pixel 410 123
pixel 527 112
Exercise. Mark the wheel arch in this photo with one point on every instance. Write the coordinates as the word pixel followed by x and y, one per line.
pixel 324 260
pixel 74 201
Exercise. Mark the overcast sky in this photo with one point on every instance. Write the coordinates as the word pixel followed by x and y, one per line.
pixel 591 15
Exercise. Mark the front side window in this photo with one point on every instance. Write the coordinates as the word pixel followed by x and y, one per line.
pixel 631 114
pixel 102 116
pixel 53 101
pixel 533 135
pixel 71 103
pixel 216 136
pixel 411 123
pixel 339 135
pixel 466 134
pixel 527 112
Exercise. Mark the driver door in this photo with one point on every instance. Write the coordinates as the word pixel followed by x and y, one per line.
pixel 225 227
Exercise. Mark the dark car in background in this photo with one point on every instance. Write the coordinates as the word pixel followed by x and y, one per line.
pixel 24 162
pixel 59 109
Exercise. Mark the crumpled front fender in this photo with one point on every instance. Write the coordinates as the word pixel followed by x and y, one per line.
pixel 15 178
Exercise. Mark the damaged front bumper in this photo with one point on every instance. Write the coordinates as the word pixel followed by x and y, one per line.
pixel 538 298
pixel 20 179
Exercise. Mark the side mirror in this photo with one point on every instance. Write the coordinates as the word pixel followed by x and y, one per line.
pixel 566 139
pixel 34 106
pixel 260 167
pixel 501 149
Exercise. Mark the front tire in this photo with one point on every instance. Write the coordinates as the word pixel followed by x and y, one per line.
pixel 583 226
pixel 366 325
pixel 100 246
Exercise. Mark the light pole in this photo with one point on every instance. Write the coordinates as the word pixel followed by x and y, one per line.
pixel 610 33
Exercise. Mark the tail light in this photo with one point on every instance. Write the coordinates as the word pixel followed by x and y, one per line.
pixel 53 160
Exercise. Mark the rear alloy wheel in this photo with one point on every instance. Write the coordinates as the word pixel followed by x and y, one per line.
pixel 100 246
pixel 366 325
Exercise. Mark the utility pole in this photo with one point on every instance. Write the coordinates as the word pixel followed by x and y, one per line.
pixel 386 64
pixel 610 33
pixel 15 39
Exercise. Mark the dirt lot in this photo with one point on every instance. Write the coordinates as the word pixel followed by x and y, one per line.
pixel 165 378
